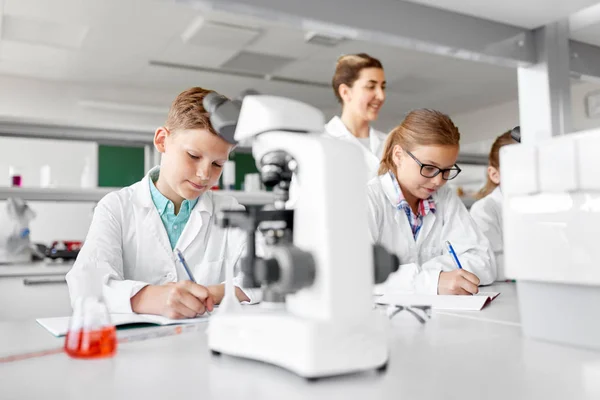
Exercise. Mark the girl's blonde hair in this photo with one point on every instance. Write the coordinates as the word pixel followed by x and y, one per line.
pixel 423 127
pixel 494 161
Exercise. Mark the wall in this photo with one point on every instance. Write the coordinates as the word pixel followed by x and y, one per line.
pixel 479 128
pixel 46 101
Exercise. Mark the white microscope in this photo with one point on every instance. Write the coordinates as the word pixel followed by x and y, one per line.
pixel 328 325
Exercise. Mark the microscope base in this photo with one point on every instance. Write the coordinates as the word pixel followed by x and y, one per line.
pixel 309 348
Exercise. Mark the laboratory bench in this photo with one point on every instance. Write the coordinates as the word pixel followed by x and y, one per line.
pixel 458 355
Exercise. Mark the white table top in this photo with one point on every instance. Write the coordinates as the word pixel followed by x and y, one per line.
pixel 35 269
pixel 451 357
pixel 503 309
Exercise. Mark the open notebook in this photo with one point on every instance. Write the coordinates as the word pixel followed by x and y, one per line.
pixel 59 326
pixel 439 302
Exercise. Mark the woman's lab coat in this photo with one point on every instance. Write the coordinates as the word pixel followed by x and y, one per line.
pixel 487 214
pixel 336 128
pixel 128 243
pixel 421 261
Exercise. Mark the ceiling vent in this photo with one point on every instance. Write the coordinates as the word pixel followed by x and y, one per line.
pixel 202 32
pixel 322 39
pixel 256 62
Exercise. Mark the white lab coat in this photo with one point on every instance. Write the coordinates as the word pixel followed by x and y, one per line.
pixel 421 261
pixel 128 243
pixel 336 128
pixel 487 214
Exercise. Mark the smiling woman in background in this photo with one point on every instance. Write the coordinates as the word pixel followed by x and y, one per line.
pixel 359 85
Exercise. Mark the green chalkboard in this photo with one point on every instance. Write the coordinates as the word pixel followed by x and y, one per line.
pixel 244 164
pixel 120 166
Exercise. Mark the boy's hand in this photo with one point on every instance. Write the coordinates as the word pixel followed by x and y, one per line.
pixel 458 281
pixel 217 292
pixel 183 299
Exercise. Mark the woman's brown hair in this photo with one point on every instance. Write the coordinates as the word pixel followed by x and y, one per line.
pixel 347 70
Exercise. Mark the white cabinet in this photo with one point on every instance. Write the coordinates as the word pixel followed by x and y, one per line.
pixel 29 292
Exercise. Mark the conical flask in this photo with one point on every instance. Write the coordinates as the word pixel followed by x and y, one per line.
pixel 91 333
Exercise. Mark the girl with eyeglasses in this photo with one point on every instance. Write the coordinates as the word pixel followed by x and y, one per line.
pixel 413 214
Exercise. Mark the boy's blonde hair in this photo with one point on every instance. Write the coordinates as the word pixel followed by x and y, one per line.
pixel 187 111
pixel 347 70
pixel 494 161
pixel 423 127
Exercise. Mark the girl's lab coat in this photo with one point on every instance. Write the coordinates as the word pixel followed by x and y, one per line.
pixel 336 128
pixel 128 244
pixel 487 214
pixel 421 261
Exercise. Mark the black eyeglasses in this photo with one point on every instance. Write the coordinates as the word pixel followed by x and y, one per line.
pixel 431 171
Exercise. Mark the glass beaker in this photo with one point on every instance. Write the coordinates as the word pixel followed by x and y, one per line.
pixel 91 333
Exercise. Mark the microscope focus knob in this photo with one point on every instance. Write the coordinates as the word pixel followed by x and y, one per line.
pixel 296 269
pixel 266 271
pixel 384 263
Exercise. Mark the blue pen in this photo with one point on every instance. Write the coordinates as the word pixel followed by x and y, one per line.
pixel 185 266
pixel 453 254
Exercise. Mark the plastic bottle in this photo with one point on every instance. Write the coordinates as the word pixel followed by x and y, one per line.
pixel 229 175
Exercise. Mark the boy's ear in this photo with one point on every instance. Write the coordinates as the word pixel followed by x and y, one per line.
pixel 494 175
pixel 160 138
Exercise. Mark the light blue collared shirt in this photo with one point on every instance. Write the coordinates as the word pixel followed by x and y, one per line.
pixel 173 224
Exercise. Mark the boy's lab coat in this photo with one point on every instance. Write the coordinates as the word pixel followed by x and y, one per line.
pixel 336 128
pixel 421 261
pixel 128 244
pixel 487 214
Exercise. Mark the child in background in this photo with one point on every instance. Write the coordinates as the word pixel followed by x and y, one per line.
pixel 487 211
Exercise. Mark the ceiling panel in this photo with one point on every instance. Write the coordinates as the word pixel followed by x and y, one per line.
pixel 39 56
pixel 178 52
pixel 56 34
pixel 207 33
pixel 283 42
pixel 123 42
pixel 60 11
pixel 309 70
pixel 247 61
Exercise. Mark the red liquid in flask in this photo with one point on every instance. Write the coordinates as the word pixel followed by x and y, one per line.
pixel 99 343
